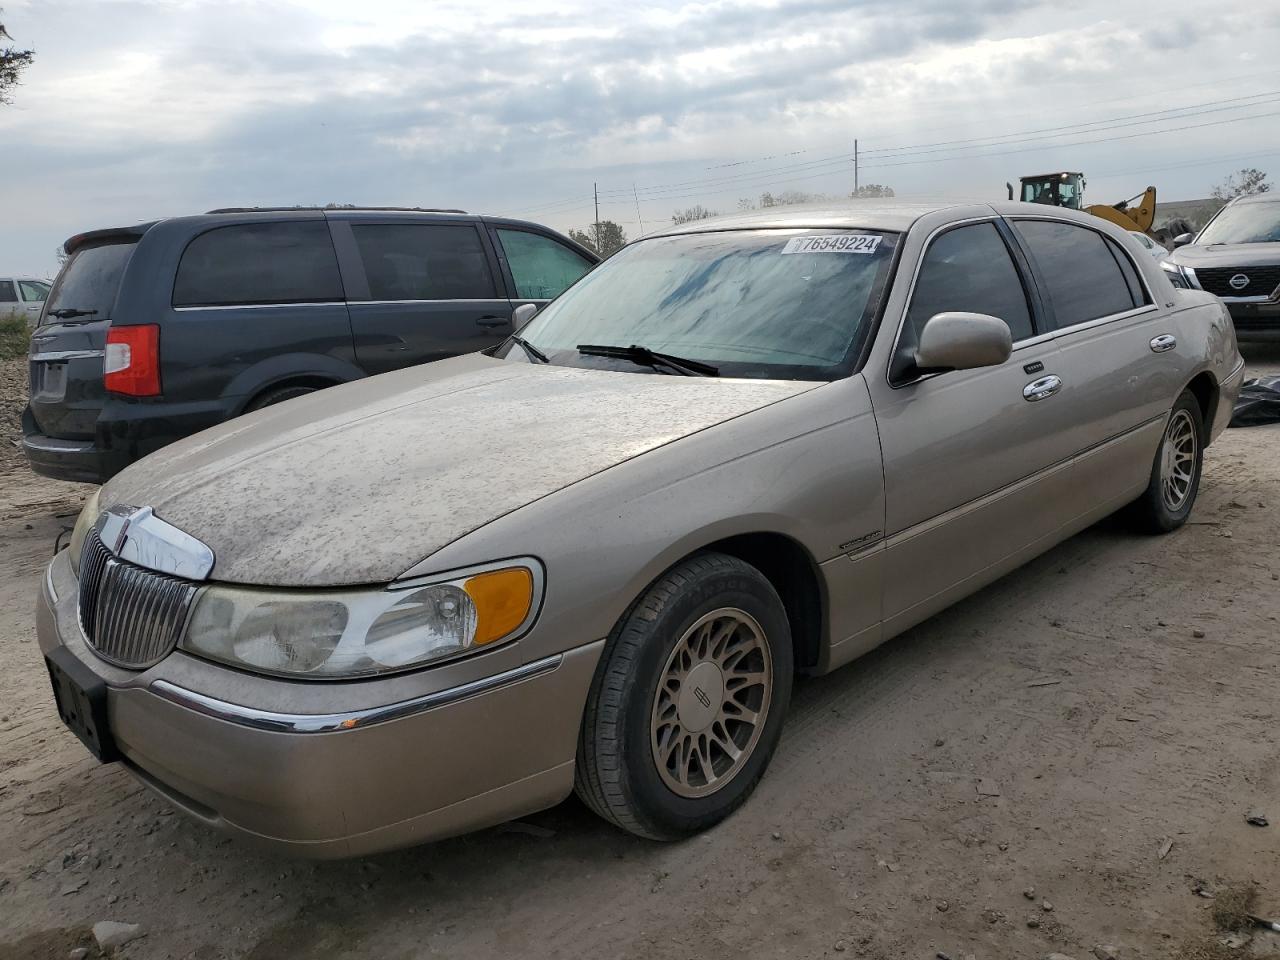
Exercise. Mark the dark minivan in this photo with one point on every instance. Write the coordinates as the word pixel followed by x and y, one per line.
pixel 156 331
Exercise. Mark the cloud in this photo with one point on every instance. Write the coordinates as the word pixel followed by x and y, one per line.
pixel 138 109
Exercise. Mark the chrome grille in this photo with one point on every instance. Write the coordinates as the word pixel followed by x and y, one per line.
pixel 131 616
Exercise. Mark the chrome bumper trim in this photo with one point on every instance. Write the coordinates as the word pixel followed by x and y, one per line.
pixel 353 720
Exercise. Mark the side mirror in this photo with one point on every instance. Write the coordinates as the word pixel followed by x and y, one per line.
pixel 522 315
pixel 963 341
pixel 1182 239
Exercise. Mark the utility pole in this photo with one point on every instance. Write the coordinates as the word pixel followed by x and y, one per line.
pixel 595 188
pixel 855 167
pixel 635 193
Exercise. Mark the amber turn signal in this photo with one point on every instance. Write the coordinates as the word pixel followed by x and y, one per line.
pixel 502 599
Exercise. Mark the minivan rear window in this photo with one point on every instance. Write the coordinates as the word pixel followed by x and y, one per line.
pixel 90 280
pixel 259 263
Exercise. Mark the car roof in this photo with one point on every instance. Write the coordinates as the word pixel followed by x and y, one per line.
pixel 880 214
pixel 1258 198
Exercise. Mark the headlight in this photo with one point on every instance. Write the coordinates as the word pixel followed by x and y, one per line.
pixel 351 633
pixel 1175 274
pixel 88 517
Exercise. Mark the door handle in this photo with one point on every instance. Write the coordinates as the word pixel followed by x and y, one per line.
pixel 1166 341
pixel 1042 389
pixel 493 321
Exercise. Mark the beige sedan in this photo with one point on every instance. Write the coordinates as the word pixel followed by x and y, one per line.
pixel 596 557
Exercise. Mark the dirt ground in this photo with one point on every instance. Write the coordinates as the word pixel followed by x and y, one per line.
pixel 1112 701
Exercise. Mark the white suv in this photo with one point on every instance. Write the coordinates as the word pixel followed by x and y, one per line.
pixel 23 295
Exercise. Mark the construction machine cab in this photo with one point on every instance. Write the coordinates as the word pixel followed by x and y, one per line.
pixel 1054 189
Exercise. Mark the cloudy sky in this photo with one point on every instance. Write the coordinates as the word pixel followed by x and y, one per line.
pixel 136 109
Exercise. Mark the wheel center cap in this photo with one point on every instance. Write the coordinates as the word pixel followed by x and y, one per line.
pixel 701 696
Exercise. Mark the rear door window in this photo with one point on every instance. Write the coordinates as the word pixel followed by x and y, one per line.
pixel 7 292
pixel 259 263
pixel 541 267
pixel 33 291
pixel 1085 275
pixel 966 269
pixel 90 280
pixel 424 261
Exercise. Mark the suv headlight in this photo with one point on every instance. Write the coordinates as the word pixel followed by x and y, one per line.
pixel 1175 274
pixel 363 632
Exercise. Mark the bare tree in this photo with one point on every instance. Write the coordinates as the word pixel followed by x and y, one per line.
pixel 872 191
pixel 12 63
pixel 1242 183
pixel 690 214
pixel 788 197
pixel 611 238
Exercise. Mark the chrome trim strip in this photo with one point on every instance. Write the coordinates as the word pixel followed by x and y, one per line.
pixel 263 306
pixel 50 445
pixel 53 356
pixel 48 582
pixel 352 720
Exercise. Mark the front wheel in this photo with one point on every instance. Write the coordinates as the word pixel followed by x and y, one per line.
pixel 1175 474
pixel 687 704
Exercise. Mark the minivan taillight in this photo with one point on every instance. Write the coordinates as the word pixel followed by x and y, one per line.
pixel 132 361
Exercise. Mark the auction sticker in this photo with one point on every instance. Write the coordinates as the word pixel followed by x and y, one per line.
pixel 834 243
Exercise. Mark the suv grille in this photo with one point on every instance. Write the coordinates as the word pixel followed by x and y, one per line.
pixel 1217 280
pixel 132 617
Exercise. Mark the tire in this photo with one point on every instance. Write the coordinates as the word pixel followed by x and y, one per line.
pixel 278 395
pixel 1166 503
pixel 714 615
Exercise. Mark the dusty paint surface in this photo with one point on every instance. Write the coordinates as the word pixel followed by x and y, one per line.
pixel 356 483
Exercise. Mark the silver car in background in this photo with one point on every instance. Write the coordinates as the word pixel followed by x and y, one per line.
pixel 24 296
pixel 596 557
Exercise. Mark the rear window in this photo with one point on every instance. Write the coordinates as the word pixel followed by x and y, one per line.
pixel 421 261
pixel 7 292
pixel 90 280
pixel 1087 277
pixel 259 263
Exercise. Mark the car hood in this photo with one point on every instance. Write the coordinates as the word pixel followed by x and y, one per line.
pixel 357 483
pixel 1227 255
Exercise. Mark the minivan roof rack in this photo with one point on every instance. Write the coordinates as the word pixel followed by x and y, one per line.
pixel 322 209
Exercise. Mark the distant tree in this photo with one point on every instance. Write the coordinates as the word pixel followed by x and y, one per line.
pixel 12 63
pixel 788 197
pixel 745 203
pixel 61 254
pixel 1243 183
pixel 690 214
pixel 872 191
pixel 611 239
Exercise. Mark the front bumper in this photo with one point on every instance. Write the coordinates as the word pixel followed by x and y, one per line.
pixel 1255 320
pixel 345 782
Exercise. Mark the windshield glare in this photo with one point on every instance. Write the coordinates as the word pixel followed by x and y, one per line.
pixel 774 304
pixel 1245 223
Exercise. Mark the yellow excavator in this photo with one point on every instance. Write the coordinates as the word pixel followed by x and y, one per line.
pixel 1066 189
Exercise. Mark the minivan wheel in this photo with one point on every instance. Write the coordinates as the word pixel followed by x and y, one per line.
pixel 1175 474
pixel 687 703
pixel 277 396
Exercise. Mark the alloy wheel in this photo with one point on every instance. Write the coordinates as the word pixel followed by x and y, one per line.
pixel 1178 460
pixel 712 702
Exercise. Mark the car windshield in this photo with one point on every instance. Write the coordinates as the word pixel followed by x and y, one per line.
pixel 764 304
pixel 1244 223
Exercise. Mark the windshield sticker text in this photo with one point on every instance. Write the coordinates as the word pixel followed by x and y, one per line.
pixel 836 243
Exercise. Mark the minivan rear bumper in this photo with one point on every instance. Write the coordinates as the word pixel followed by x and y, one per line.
pixel 125 432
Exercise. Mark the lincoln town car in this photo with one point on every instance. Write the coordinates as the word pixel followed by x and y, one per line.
pixel 597 556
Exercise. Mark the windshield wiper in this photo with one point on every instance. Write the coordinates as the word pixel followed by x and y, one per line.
pixel 67 313
pixel 533 352
pixel 645 357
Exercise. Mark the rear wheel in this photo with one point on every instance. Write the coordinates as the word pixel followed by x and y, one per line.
pixel 279 395
pixel 1175 474
pixel 687 704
